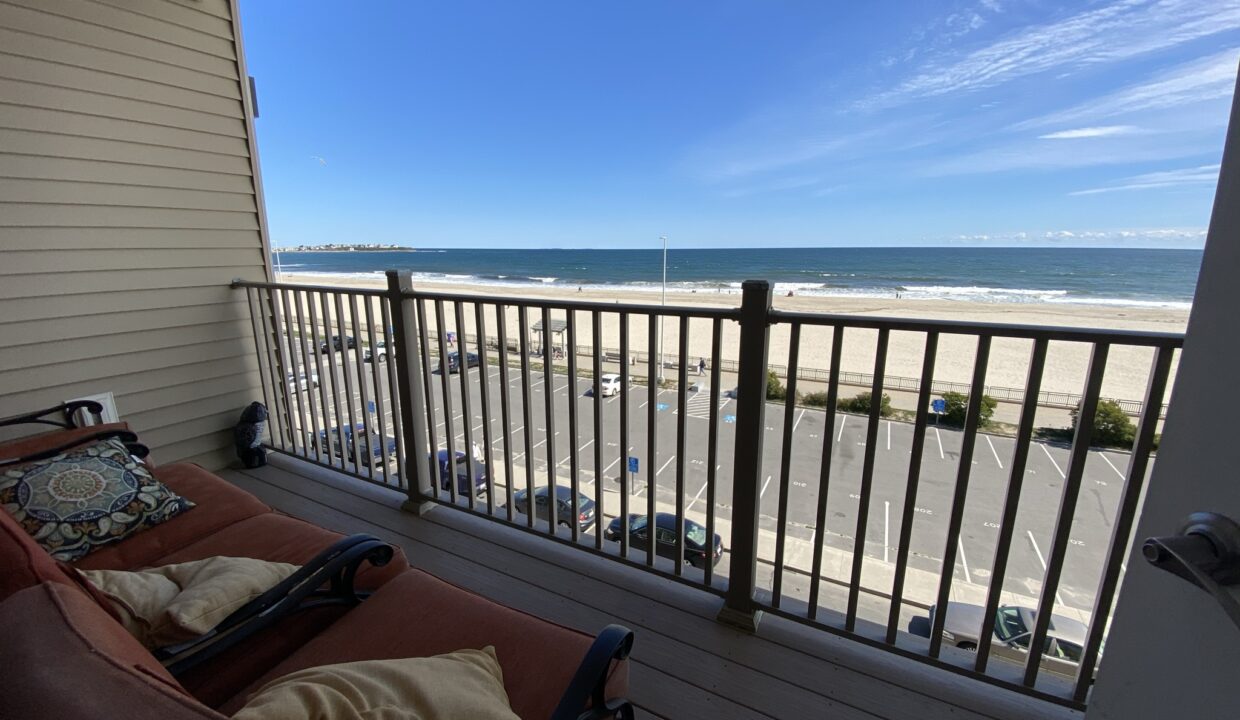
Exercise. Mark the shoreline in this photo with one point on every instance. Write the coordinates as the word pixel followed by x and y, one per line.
pixel 1066 364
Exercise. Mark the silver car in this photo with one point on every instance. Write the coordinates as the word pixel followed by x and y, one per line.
pixel 1061 653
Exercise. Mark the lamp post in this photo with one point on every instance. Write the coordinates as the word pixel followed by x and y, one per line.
pixel 664 304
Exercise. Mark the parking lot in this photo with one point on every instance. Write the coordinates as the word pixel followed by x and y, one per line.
pixel 533 447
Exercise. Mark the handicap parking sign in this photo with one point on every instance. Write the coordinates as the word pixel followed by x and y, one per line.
pixel 939 405
pixel 730 419
pixel 633 465
pixel 661 407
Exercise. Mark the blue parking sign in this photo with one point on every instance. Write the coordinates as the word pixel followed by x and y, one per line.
pixel 633 465
pixel 938 405
pixel 370 406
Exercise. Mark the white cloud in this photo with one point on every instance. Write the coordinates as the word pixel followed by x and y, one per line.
pixel 1203 175
pixel 1089 132
pixel 1206 78
pixel 1135 237
pixel 1116 31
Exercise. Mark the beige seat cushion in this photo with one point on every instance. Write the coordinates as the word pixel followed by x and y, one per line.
pixel 462 684
pixel 174 603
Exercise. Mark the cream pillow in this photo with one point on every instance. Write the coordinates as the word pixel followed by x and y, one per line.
pixel 466 684
pixel 170 604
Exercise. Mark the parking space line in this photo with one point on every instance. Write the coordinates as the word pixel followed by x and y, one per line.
pixel 669 462
pixel 1036 549
pixel 696 498
pixel 888 434
pixel 963 562
pixel 798 420
pixel 993 451
pixel 939 437
pixel 768 482
pixel 1052 459
pixel 843 419
pixel 1117 472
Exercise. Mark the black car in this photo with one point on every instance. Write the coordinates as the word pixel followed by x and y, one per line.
pixel 696 550
pixel 454 361
pixel 338 344
pixel 564 506
pixel 462 473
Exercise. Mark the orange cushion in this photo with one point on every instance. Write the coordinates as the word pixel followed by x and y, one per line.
pixel 23 446
pixel 219 505
pixel 419 615
pixel 64 658
pixel 23 562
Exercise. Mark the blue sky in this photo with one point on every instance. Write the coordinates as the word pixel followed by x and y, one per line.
pixel 742 124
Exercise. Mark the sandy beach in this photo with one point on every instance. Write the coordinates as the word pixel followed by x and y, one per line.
pixel 1127 367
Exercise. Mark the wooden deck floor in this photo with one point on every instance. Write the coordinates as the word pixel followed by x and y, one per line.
pixel 684 663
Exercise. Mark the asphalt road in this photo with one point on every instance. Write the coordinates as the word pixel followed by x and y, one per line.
pixel 990 467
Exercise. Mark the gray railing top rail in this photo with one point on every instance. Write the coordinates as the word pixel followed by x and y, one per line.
pixel 364 292
pixel 728 313
pixel 965 327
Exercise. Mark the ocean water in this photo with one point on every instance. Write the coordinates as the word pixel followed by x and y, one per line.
pixel 1136 278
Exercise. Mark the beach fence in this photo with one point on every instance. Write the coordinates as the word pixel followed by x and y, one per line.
pixel 437 417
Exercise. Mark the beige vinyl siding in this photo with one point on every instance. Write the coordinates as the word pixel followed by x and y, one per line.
pixel 128 202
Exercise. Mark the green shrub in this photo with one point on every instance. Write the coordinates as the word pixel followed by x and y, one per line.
pixel 1112 426
pixel 775 390
pixel 861 404
pixel 815 399
pixel 958 408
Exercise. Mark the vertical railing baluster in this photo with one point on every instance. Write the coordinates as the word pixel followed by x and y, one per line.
pixel 1125 518
pixel 654 373
pixel 501 329
pixel 292 386
pixel 321 433
pixel 1067 508
pixel 549 395
pixel 260 352
pixel 310 429
pixel 682 399
pixel 380 406
pixel 484 377
pixel 363 396
pixel 574 465
pixel 432 461
pixel 824 471
pixel 396 353
pixel 449 430
pixel 625 486
pixel 963 472
pixel 1011 501
pixel 467 415
pixel 867 478
pixel 910 487
pixel 785 463
pixel 527 412
pixel 273 333
pixel 739 608
pixel 336 383
pixel 345 450
pixel 597 331
pixel 712 446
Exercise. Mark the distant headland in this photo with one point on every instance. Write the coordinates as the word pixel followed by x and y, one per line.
pixel 346 247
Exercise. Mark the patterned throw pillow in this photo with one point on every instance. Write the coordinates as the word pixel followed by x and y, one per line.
pixel 85 498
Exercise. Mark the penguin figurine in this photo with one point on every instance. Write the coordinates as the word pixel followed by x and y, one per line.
pixel 248 435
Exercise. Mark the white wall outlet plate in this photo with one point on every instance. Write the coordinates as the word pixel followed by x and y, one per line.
pixel 110 415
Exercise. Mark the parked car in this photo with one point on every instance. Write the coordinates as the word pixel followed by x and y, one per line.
pixel 454 361
pixel 732 393
pixel 462 473
pixel 302 381
pixel 695 548
pixel 380 351
pixel 564 507
pixel 1061 653
pixel 608 386
pixel 337 344
pixel 358 444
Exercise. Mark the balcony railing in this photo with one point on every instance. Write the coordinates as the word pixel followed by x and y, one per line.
pixel 362 381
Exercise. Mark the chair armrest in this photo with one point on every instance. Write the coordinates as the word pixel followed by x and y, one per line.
pixel 67 408
pixel 589 683
pixel 134 447
pixel 335 567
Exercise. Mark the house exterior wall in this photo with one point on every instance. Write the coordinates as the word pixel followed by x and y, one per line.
pixel 129 198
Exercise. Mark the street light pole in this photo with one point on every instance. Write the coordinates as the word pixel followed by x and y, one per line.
pixel 664 303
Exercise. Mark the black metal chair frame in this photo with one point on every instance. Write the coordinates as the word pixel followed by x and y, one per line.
pixel 66 410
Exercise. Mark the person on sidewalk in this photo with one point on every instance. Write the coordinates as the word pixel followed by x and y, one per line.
pixel 702 366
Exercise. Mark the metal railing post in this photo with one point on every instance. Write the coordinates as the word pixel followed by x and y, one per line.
pixel 408 362
pixel 739 609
